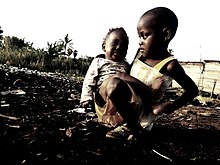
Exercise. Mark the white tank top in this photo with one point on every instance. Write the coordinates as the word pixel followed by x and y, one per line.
pixel 148 74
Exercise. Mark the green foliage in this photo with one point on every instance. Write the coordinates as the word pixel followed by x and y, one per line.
pixel 56 57
pixel 62 47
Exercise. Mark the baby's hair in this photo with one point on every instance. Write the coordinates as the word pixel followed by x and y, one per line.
pixel 164 18
pixel 120 29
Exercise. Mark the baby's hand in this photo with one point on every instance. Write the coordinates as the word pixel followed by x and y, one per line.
pixel 157 83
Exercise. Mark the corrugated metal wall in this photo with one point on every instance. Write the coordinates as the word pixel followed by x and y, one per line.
pixel 205 74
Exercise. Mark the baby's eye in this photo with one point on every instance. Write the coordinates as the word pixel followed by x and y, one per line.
pixel 124 45
pixel 114 43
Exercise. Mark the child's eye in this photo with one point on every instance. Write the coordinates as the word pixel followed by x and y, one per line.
pixel 143 35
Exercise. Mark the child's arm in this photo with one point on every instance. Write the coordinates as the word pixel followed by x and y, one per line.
pixel 176 71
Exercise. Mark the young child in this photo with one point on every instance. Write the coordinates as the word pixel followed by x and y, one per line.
pixel 108 85
pixel 156 28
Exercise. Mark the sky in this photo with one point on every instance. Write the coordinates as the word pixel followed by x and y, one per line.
pixel 87 22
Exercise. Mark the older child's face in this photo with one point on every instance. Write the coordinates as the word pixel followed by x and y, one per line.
pixel 151 40
pixel 116 46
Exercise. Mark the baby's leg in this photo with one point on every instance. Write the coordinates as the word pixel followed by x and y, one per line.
pixel 118 91
pixel 115 89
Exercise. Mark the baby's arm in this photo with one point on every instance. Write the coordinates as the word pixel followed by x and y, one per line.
pixel 89 83
pixel 156 87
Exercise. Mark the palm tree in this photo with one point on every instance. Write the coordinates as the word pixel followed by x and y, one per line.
pixel 1 36
pixel 67 45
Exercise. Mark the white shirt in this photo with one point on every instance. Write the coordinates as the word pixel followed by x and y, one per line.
pixel 99 70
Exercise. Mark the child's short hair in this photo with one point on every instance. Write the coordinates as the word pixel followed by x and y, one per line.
pixel 121 29
pixel 165 18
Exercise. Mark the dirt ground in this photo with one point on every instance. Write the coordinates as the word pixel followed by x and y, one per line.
pixel 41 124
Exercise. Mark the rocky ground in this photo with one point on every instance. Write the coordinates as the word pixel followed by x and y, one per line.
pixel 41 124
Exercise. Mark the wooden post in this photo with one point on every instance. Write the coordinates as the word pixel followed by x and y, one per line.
pixel 215 80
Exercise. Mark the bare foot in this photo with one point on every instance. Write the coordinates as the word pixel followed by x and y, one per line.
pixel 161 108
pixel 157 109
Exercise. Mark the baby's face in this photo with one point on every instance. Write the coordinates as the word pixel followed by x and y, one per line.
pixel 116 46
